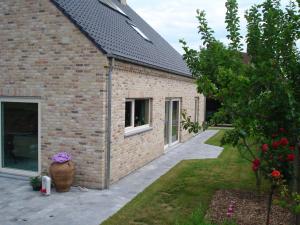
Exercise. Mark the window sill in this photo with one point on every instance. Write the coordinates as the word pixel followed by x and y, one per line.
pixel 137 131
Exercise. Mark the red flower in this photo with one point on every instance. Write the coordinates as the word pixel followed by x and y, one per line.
pixel 265 148
pixel 292 148
pixel 255 164
pixel 276 144
pixel 282 130
pixel 290 157
pixel 274 135
pixel 275 173
pixel 284 141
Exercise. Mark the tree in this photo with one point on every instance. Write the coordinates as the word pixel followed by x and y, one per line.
pixel 260 97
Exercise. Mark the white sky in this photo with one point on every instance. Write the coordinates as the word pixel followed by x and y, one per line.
pixel 175 19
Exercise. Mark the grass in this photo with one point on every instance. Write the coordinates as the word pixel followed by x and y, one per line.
pixel 182 196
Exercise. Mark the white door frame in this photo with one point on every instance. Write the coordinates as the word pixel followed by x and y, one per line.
pixel 171 100
pixel 16 171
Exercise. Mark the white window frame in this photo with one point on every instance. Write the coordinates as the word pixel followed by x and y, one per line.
pixel 132 129
pixel 170 143
pixel 17 171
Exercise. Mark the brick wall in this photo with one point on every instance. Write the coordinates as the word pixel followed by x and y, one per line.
pixel 43 55
pixel 130 81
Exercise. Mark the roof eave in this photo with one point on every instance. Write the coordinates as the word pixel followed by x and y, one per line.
pixel 122 58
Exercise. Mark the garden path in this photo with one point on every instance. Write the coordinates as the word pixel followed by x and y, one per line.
pixel 21 206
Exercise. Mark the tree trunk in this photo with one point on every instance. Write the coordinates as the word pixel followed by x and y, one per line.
pixel 270 204
pixel 258 181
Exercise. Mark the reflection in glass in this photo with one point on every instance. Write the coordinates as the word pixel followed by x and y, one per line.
pixel 19 126
pixel 175 120
pixel 128 114
pixel 141 112
pixel 167 121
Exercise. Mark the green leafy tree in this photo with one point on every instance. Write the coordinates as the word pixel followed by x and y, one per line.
pixel 261 96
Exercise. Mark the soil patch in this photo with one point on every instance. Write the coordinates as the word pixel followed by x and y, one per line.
pixel 249 209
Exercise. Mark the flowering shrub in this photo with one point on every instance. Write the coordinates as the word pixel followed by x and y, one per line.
pixel 61 157
pixel 275 161
pixel 275 157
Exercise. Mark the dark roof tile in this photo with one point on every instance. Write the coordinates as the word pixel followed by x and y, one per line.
pixel 111 32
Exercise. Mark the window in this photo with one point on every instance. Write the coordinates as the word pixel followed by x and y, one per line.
pixel 128 113
pixel 137 114
pixel 113 6
pixel 19 136
pixel 141 113
pixel 196 109
pixel 139 31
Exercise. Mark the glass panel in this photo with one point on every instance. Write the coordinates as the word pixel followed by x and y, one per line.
pixel 139 32
pixel 19 124
pixel 141 112
pixel 197 109
pixel 175 120
pixel 167 121
pixel 128 114
pixel 112 5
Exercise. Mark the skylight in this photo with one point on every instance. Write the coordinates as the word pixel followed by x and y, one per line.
pixel 113 6
pixel 139 31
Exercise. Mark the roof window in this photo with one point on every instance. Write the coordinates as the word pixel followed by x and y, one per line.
pixel 113 6
pixel 138 31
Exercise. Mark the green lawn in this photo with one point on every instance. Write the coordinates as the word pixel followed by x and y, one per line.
pixel 184 193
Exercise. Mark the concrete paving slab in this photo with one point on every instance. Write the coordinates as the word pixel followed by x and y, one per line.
pixel 19 205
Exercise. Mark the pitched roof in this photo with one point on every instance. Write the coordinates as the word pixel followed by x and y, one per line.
pixel 112 33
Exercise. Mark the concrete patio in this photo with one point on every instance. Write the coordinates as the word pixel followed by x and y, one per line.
pixel 21 206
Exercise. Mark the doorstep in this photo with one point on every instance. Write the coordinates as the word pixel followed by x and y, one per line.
pixel 16 177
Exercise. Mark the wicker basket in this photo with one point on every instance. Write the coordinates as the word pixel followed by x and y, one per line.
pixel 62 175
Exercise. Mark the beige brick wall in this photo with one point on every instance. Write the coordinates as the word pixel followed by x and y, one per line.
pixel 42 54
pixel 130 81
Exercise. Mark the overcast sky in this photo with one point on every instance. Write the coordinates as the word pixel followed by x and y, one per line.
pixel 175 19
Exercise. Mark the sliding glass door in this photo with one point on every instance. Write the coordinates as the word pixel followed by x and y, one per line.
pixel 19 136
pixel 167 122
pixel 175 121
pixel 172 121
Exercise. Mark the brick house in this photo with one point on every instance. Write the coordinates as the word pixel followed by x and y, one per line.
pixel 91 78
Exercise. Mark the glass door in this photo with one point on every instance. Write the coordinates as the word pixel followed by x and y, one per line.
pixel 172 122
pixel 19 136
pixel 175 121
pixel 167 123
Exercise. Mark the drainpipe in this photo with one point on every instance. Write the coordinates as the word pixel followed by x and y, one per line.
pixel 109 100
